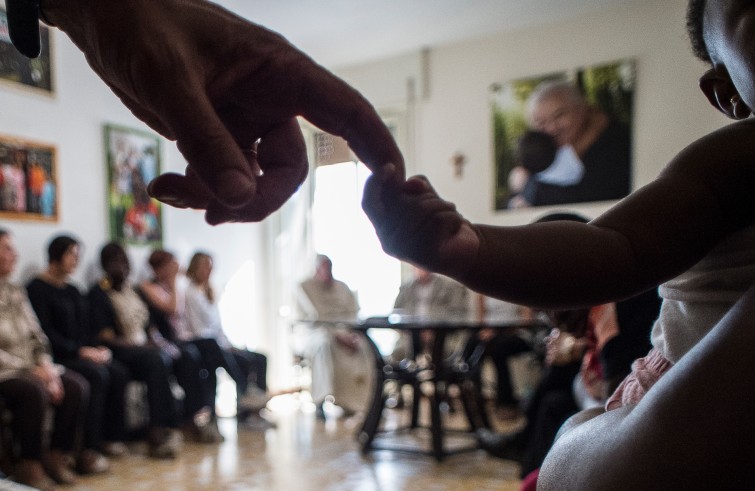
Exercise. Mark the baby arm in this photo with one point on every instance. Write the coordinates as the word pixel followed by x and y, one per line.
pixel 649 237
pixel 529 265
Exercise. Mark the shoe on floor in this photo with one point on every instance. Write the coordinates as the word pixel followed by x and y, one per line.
pixel 164 443
pixel 215 431
pixel 32 473
pixel 253 400
pixel 320 412
pixel 115 449
pixel 57 465
pixel 202 433
pixel 501 445
pixel 92 462
pixel 255 422
pixel 507 412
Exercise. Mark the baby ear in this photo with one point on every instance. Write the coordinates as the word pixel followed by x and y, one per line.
pixel 722 94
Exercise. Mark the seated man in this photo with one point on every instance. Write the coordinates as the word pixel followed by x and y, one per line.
pixel 430 294
pixel 339 359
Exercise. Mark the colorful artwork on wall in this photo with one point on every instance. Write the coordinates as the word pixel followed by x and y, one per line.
pixel 133 160
pixel 28 180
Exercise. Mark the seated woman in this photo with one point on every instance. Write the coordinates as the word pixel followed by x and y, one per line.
pixel 200 357
pixel 30 384
pixel 64 317
pixel 203 321
pixel 120 320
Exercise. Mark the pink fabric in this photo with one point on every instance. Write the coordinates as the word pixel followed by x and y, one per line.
pixel 645 373
pixel 529 483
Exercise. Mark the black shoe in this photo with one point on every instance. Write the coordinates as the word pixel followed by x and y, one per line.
pixel 501 445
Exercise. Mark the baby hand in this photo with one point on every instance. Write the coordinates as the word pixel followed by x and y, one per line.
pixel 414 224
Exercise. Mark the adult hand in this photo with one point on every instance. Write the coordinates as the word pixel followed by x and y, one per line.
pixel 562 348
pixel 171 350
pixel 228 91
pixel 348 340
pixel 99 355
pixel 105 354
pixel 49 376
pixel 605 323
pixel 414 224
pixel 486 334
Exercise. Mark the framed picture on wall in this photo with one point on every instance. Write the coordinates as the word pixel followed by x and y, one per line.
pixel 564 137
pixel 28 180
pixel 133 159
pixel 18 71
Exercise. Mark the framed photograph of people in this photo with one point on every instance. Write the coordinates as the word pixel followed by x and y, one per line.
pixel 133 159
pixel 28 180
pixel 18 71
pixel 564 137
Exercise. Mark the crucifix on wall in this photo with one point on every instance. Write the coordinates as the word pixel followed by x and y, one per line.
pixel 458 161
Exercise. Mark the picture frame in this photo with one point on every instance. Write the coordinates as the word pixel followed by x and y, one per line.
pixel 17 71
pixel 28 180
pixel 133 159
pixel 608 88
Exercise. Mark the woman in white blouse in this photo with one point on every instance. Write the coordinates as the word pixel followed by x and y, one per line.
pixel 203 321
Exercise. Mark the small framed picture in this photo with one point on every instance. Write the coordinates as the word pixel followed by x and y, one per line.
pixel 20 72
pixel 133 160
pixel 28 180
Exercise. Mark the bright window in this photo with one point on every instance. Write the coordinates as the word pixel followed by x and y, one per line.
pixel 343 232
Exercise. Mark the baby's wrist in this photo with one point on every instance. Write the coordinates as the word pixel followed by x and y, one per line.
pixel 468 261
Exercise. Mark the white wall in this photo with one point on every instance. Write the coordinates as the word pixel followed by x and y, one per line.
pixel 73 121
pixel 670 110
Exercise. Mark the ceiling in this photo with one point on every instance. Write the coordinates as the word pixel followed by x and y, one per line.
pixel 343 32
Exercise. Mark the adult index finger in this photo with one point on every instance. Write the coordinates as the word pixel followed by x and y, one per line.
pixel 332 105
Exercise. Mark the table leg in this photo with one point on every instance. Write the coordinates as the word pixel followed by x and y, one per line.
pixel 440 386
pixel 371 422
pixel 474 403
pixel 416 399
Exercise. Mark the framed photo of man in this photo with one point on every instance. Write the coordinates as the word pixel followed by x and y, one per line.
pixel 564 137
pixel 133 160
pixel 18 71
pixel 28 180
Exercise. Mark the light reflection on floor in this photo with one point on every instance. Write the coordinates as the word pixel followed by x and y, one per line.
pixel 301 454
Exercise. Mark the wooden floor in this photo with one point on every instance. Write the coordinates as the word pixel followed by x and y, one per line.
pixel 302 454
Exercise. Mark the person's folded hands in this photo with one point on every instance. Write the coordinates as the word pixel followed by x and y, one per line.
pixel 228 91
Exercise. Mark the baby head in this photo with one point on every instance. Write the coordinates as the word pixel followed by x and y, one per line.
pixel 722 33
pixel 536 151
